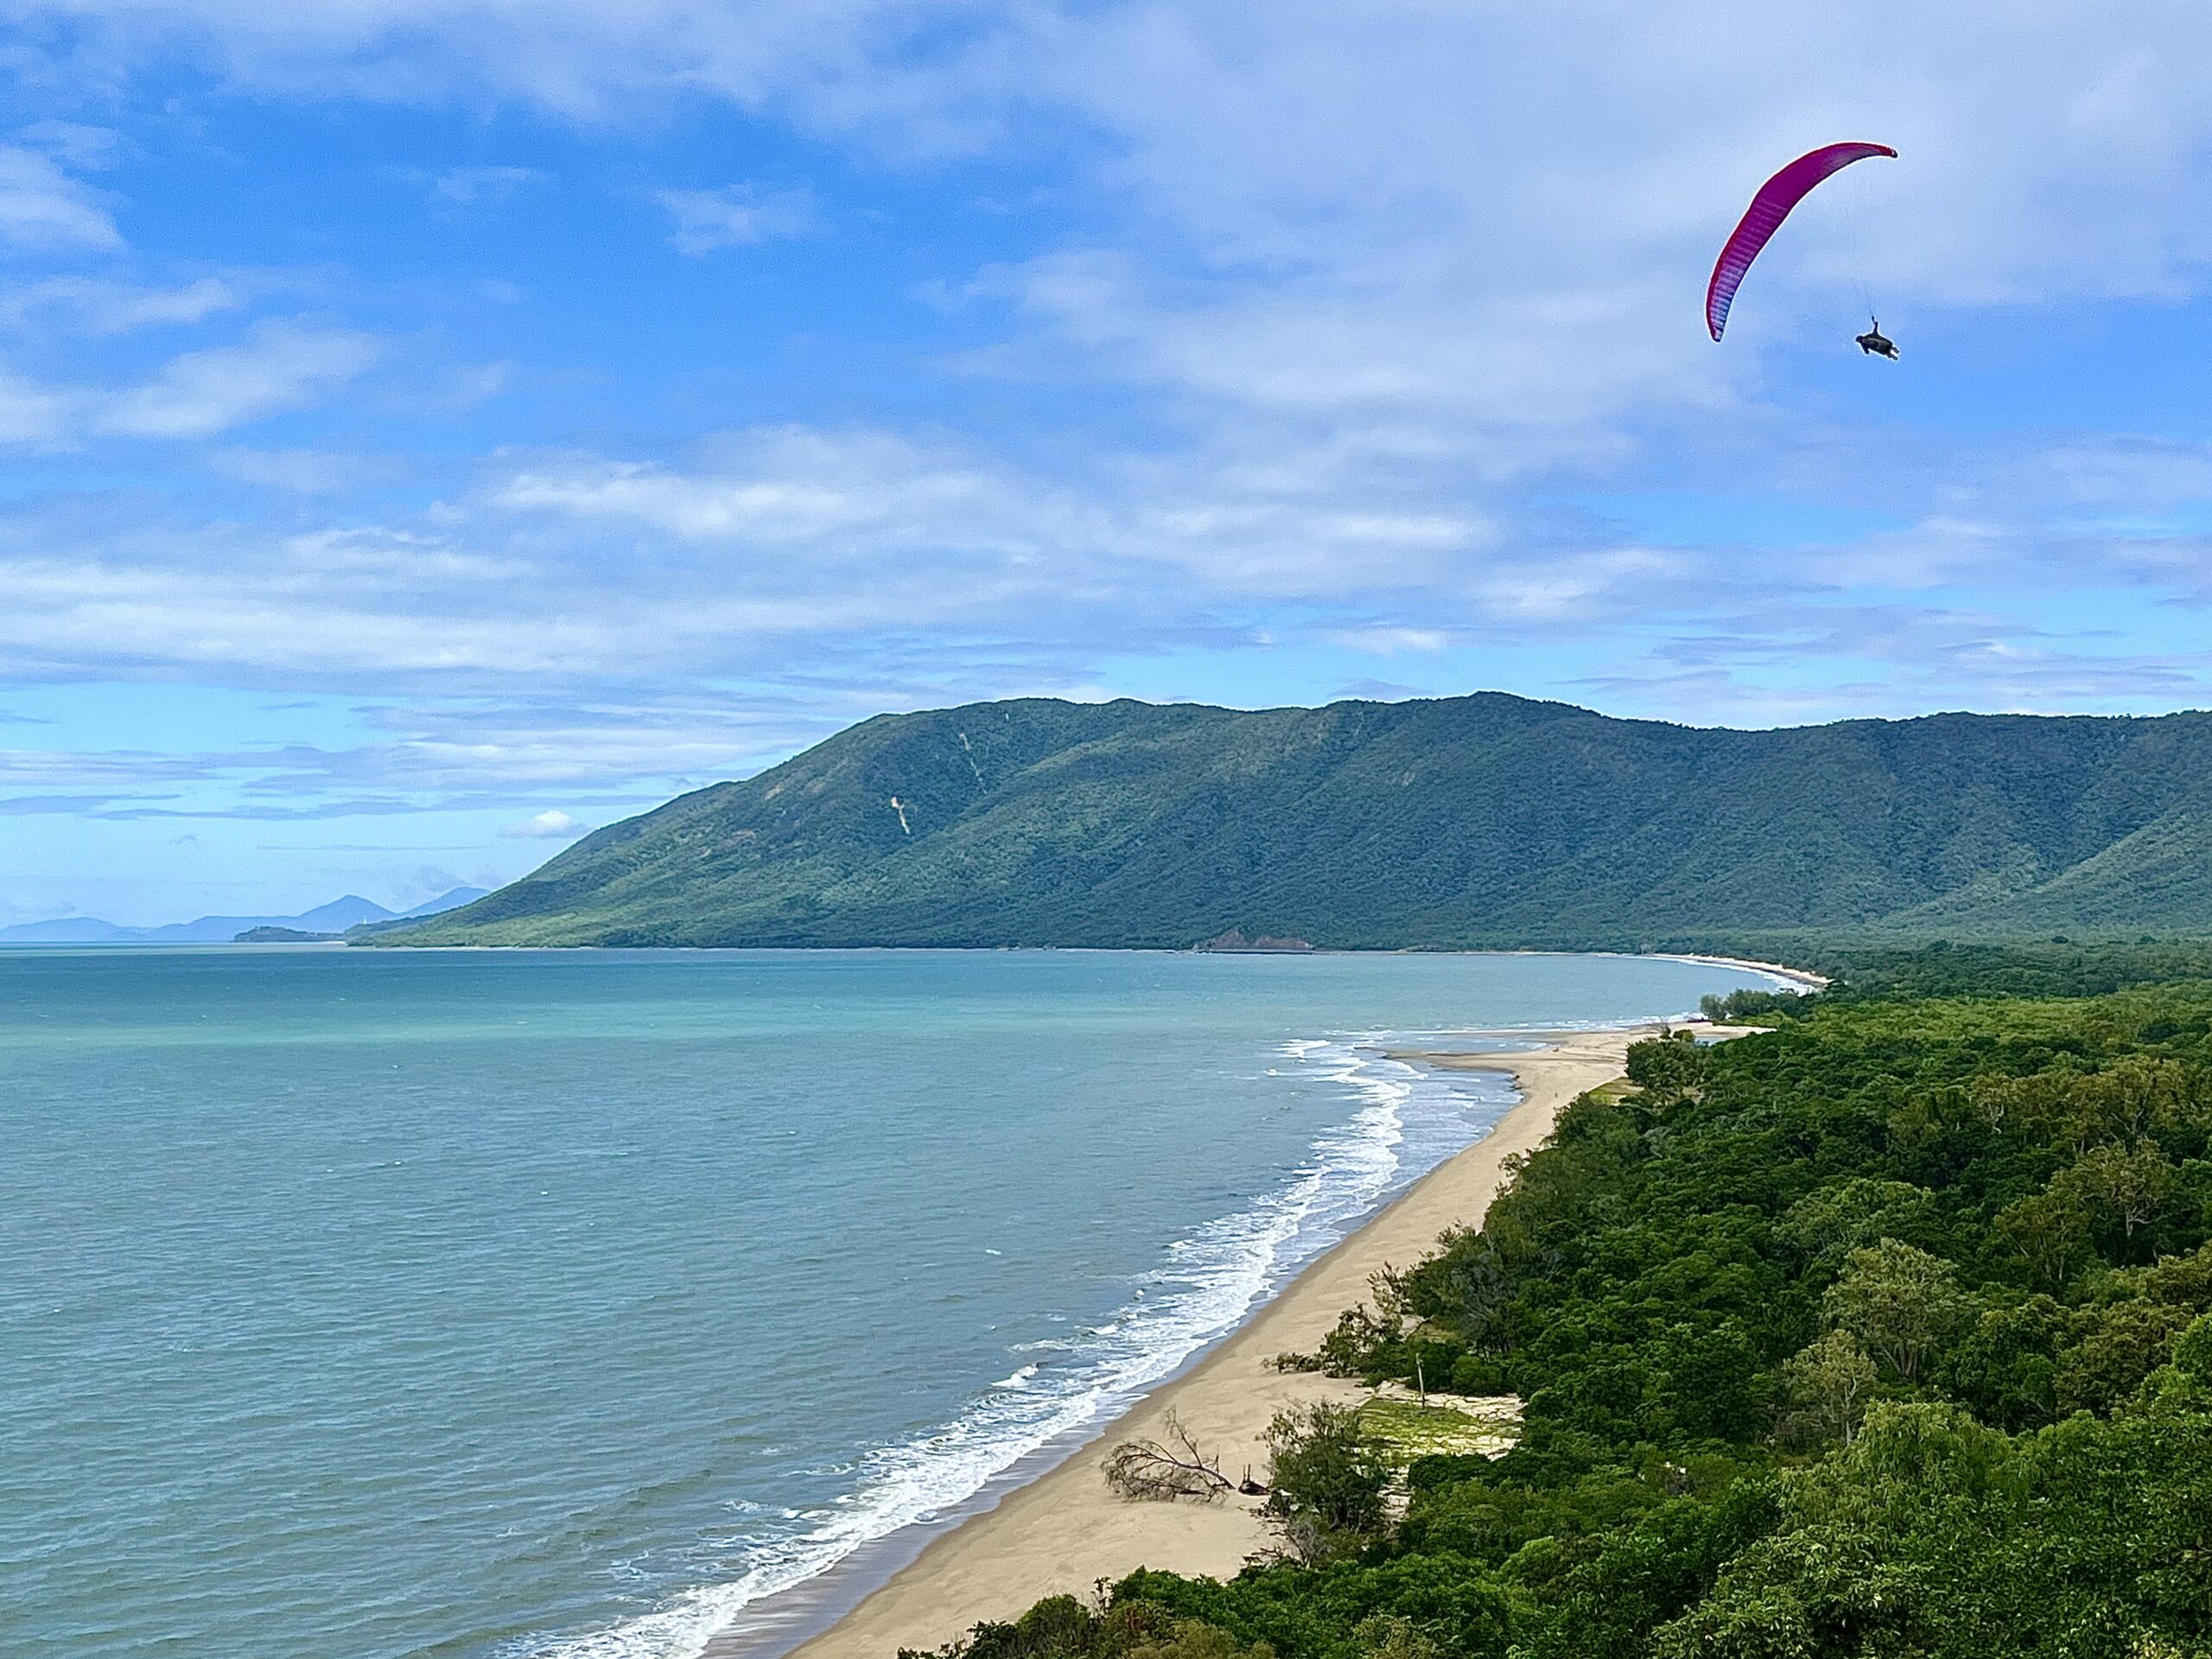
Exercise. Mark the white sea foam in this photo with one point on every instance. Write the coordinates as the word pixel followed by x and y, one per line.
pixel 1405 1121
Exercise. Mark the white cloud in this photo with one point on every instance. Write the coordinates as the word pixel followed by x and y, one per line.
pixel 941 531
pixel 279 366
pixel 487 751
pixel 304 471
pixel 95 306
pixel 776 486
pixel 591 59
pixel 552 824
pixel 1481 229
pixel 736 215
pixel 43 209
pixel 1387 295
pixel 33 415
pixel 849 557
pixel 2040 141
pixel 74 143
pixel 20 769
pixel 1393 641
pixel 276 366
pixel 1590 587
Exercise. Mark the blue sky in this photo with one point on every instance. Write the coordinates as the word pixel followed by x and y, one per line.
pixel 433 426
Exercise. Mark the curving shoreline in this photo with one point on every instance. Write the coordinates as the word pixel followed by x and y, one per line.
pixel 1063 1531
pixel 1802 976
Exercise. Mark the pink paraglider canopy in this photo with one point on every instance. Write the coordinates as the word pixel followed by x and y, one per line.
pixel 1763 217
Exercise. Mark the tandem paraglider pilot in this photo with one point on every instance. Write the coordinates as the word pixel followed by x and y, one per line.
pixel 1875 343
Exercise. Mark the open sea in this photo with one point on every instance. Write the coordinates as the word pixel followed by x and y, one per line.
pixel 360 1304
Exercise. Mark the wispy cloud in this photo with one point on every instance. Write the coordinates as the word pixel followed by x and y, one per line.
pixel 54 806
pixel 278 366
pixel 487 754
pixel 469 186
pixel 1393 641
pixel 787 549
pixel 305 471
pixel 99 306
pixel 34 413
pixel 735 216
pixel 43 209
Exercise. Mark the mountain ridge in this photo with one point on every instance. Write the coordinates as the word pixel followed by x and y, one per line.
pixel 1488 820
pixel 323 921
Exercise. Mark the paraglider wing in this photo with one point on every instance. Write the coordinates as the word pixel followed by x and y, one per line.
pixel 1763 217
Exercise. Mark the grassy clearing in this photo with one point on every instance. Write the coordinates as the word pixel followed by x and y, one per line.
pixel 1411 1430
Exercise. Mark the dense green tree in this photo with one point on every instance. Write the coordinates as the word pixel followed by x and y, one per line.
pixel 1901 1305
pixel 1190 1639
pixel 1933 1535
pixel 2119 1187
pixel 1393 1635
pixel 1830 1384
pixel 1327 1476
pixel 2005 1366
pixel 1666 1068
pixel 2113 1348
pixel 1829 1222
pixel 2046 1235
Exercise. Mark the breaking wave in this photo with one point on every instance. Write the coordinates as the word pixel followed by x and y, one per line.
pixel 1405 1121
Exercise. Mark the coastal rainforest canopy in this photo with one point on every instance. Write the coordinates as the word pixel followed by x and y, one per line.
pixel 1886 1332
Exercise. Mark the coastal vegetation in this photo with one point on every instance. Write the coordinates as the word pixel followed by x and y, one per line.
pixel 1886 1331
pixel 1329 1477
pixel 1460 823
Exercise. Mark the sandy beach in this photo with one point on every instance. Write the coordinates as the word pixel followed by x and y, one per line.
pixel 1803 976
pixel 1065 1531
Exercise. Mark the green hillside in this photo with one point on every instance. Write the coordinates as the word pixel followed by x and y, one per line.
pixel 1487 820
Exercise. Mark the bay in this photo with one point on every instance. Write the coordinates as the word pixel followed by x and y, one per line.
pixel 493 1304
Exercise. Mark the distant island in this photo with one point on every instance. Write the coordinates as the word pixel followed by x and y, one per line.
pixel 1485 821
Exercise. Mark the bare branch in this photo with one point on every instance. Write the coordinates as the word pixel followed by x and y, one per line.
pixel 1147 1470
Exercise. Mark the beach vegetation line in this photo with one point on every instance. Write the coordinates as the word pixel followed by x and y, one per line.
pixel 1887 1330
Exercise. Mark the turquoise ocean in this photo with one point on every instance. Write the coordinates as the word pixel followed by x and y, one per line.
pixel 565 1305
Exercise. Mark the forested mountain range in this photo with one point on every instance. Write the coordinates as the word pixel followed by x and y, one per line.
pixel 1488 820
